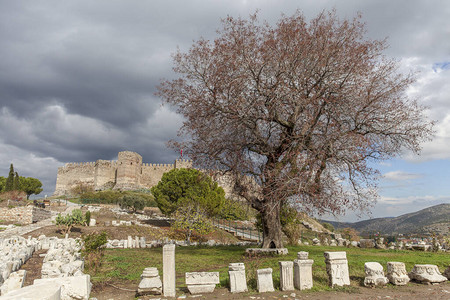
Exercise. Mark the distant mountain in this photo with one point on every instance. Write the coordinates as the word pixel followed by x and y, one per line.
pixel 435 219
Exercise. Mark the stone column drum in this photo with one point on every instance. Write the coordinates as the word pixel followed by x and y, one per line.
pixel 286 275
pixel 169 270
pixel 337 268
pixel 238 282
pixel 303 271
pixel 396 273
pixel 264 280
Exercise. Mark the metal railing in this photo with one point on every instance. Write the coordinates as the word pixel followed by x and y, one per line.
pixel 239 230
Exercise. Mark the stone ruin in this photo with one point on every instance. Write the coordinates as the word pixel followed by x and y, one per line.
pixel 62 269
pixel 238 281
pixel 374 274
pixel 201 282
pixel 426 274
pixel 396 273
pixel 303 271
pixel 150 282
pixel 337 268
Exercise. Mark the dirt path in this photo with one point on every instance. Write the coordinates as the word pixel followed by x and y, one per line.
pixel 33 266
pixel 409 292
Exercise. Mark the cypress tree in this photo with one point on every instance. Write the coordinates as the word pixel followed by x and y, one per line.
pixel 9 186
pixel 16 182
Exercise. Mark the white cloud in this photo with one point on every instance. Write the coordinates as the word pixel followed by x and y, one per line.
pixel 401 176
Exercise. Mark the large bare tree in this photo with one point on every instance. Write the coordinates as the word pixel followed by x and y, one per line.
pixel 295 112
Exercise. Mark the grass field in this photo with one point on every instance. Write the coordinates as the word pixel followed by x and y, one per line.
pixel 124 266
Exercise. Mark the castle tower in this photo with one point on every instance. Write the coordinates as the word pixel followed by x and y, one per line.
pixel 129 167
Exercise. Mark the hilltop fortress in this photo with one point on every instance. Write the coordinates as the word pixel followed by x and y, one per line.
pixel 127 173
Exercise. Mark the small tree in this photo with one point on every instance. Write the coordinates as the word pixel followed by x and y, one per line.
pixel 181 186
pixel 93 249
pixel 30 185
pixel 9 186
pixel 190 217
pixel 70 220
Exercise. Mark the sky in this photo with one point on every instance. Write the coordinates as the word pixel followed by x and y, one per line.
pixel 78 81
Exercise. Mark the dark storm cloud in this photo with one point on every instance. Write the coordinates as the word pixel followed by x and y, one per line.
pixel 78 78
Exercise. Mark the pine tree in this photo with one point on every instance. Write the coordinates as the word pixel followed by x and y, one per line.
pixel 9 186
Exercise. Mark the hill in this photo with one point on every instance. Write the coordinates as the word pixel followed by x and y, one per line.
pixel 435 219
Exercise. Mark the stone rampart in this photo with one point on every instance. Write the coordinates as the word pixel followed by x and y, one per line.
pixel 73 174
pixel 127 173
pixel 24 214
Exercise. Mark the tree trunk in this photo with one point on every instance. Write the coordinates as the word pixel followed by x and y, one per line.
pixel 270 217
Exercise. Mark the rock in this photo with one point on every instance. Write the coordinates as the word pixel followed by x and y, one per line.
pixel 354 243
pixel 238 282
pixel 367 243
pixel 316 242
pixel 426 274
pixel 262 251
pixel 374 274
pixel 47 291
pixel 201 282
pixel 264 280
pixel 92 222
pixel 150 282
pixel 447 273
pixel 396 273
pixel 14 282
pixel 337 268
pixel 74 287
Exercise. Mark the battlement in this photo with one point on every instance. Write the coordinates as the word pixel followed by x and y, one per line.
pixel 150 165
pixel 79 164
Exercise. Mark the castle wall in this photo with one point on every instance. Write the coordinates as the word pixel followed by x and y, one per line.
pixel 105 174
pixel 127 173
pixel 152 173
pixel 73 174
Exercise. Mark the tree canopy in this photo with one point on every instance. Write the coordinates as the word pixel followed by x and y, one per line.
pixel 30 185
pixel 15 182
pixel 302 108
pixel 181 187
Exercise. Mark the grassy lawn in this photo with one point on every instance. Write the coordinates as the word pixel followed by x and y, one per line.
pixel 124 266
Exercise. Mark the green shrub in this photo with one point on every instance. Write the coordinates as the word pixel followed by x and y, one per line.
pixel 68 221
pixel 234 210
pixel 93 250
pixel 132 202
pixel 328 226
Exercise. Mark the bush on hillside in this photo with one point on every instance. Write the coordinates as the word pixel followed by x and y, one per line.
pixel 328 226
pixel 114 197
pixel 132 202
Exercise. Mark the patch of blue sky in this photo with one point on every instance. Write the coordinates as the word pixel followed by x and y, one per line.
pixel 430 178
pixel 441 66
